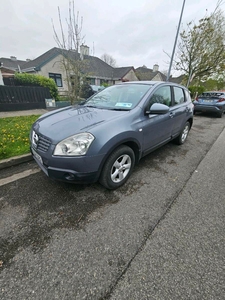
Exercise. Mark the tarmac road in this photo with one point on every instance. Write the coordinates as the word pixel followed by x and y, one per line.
pixel 161 236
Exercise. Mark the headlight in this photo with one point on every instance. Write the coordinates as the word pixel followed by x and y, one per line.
pixel 74 145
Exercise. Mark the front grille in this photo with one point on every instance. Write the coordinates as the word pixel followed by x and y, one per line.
pixel 43 143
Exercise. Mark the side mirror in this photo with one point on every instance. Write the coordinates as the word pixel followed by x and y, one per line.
pixel 158 109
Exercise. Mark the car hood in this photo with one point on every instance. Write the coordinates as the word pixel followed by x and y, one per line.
pixel 60 124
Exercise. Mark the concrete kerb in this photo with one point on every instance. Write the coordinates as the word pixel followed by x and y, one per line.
pixel 16 160
pixel 19 113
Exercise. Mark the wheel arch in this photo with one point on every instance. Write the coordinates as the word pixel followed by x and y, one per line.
pixel 134 145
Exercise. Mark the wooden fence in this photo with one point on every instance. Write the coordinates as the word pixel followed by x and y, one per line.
pixel 23 97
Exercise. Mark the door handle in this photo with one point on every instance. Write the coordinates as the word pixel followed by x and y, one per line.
pixel 171 115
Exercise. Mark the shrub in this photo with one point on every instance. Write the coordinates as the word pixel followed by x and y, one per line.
pixel 38 80
pixel 196 90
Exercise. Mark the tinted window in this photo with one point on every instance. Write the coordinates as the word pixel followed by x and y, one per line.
pixel 161 95
pixel 178 95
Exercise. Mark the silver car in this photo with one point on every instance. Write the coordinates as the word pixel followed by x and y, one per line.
pixel 210 102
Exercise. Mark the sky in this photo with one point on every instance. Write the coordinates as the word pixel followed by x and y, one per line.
pixel 133 32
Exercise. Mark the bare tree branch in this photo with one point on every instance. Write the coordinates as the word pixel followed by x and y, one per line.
pixel 73 65
pixel 108 59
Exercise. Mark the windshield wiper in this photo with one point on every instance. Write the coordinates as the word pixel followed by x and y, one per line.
pixel 119 109
pixel 91 106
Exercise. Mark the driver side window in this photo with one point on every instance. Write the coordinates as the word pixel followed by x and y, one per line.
pixel 161 95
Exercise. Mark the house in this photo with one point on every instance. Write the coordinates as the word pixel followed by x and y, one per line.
pixel 180 79
pixel 95 70
pixel 5 75
pixel 8 67
pixel 143 73
pixel 50 64
pixel 12 63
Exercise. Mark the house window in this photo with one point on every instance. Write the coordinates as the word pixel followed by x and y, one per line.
pixel 57 78
pixel 102 81
pixel 91 81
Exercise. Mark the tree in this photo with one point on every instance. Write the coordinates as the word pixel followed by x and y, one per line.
pixel 109 60
pixel 165 72
pixel 196 90
pixel 73 63
pixel 201 49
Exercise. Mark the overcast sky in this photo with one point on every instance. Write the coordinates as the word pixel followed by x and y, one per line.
pixel 134 32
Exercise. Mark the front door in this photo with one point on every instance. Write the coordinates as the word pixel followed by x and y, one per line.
pixel 157 129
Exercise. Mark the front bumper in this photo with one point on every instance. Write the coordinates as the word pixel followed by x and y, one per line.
pixel 69 169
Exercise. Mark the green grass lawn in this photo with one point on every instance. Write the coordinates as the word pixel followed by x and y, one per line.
pixel 14 135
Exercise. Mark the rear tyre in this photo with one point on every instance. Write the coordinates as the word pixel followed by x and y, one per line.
pixel 183 135
pixel 117 168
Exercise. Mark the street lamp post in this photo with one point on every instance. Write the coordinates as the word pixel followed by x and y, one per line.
pixel 175 43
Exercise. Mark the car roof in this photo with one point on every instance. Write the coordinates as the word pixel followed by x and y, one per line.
pixel 154 83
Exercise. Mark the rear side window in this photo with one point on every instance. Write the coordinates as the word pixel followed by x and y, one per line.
pixel 178 95
pixel 187 94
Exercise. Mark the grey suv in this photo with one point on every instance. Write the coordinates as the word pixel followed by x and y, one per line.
pixel 103 138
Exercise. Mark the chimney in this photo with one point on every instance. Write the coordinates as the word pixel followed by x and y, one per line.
pixel 84 50
pixel 13 58
pixel 28 59
pixel 155 68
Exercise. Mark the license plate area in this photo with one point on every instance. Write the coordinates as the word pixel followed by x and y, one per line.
pixel 208 101
pixel 37 156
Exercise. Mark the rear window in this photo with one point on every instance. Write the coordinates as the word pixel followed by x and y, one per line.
pixel 211 94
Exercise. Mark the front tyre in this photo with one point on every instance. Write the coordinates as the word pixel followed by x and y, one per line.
pixel 117 168
pixel 183 135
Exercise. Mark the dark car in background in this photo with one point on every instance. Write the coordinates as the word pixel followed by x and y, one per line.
pixel 87 90
pixel 102 138
pixel 210 102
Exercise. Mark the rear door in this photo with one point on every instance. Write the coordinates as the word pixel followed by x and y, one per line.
pixel 180 109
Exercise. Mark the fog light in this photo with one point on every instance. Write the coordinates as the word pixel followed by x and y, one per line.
pixel 69 176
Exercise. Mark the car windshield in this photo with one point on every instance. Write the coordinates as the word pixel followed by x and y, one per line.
pixel 118 97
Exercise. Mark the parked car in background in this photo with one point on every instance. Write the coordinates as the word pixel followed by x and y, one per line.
pixel 212 102
pixel 102 138
pixel 97 88
pixel 87 90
